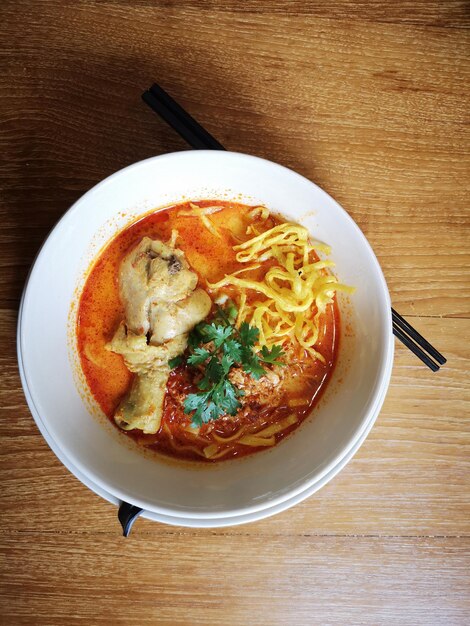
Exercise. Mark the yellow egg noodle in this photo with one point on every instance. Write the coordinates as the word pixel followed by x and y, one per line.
pixel 202 213
pixel 262 438
pixel 297 288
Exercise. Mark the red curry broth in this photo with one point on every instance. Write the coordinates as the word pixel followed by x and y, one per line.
pixel 211 257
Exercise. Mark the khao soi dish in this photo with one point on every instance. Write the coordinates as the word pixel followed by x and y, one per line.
pixel 208 330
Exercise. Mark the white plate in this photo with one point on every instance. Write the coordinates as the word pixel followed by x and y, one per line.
pixel 231 489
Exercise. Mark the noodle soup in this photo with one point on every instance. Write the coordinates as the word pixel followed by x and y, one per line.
pixel 208 330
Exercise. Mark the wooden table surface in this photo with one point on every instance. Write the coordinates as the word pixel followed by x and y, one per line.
pixel 368 100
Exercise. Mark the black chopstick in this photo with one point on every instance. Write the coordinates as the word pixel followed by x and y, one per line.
pixel 179 119
pixel 198 137
pixel 417 337
pixel 409 343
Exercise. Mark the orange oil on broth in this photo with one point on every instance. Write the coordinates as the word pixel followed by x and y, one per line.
pixel 211 257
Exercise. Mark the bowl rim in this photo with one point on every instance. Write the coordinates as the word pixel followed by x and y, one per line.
pixel 74 464
pixel 237 520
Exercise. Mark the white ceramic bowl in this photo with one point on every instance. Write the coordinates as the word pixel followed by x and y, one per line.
pixel 229 492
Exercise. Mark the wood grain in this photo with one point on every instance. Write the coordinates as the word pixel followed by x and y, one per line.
pixel 303 580
pixel 369 100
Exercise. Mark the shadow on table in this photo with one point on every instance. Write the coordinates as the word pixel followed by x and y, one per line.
pixel 85 119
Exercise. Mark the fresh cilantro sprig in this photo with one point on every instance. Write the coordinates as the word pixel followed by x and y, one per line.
pixel 271 356
pixel 219 346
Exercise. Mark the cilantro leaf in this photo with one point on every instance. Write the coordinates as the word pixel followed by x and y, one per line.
pixel 210 412
pixel 225 396
pixel 231 403
pixel 204 384
pixel 217 395
pixel 198 356
pixel 204 409
pixel 194 400
pixel 271 356
pixel 248 334
pixel 217 333
pixel 253 366
pixel 232 348
pixel 226 363
pixel 214 370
